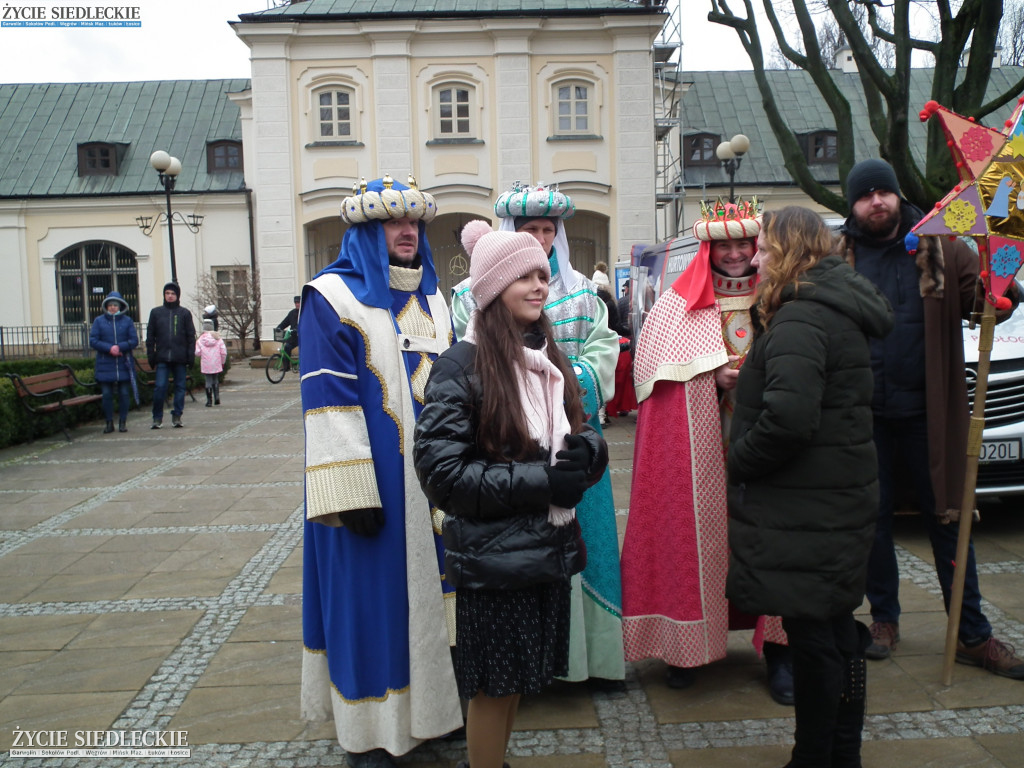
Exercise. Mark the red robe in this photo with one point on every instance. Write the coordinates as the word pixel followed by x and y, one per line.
pixel 675 551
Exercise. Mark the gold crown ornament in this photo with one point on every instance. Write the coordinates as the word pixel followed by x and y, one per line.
pixel 384 199
pixel 728 221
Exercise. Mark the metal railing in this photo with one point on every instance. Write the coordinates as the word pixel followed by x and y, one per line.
pixel 20 342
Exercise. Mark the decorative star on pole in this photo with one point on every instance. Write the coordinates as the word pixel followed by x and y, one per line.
pixel 987 205
pixel 988 202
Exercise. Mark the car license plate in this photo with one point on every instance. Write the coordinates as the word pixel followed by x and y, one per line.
pixel 999 450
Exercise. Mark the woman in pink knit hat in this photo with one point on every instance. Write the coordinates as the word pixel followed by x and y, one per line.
pixel 502 447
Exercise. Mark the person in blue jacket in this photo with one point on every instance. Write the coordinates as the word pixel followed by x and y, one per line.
pixel 113 336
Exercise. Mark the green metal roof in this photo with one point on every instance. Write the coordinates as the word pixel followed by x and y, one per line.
pixel 41 126
pixel 333 10
pixel 727 103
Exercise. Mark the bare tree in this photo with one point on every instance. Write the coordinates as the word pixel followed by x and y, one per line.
pixel 237 301
pixel 886 91
pixel 1011 36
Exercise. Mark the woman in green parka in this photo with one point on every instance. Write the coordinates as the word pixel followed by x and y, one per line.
pixel 803 486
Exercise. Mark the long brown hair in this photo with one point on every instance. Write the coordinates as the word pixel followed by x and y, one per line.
pixel 502 432
pixel 796 239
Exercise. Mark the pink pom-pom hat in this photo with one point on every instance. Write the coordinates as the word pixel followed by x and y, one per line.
pixel 498 259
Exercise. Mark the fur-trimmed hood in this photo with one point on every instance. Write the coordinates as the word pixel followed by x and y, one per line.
pixel 929 257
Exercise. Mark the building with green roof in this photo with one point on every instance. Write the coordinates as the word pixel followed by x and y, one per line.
pixel 76 186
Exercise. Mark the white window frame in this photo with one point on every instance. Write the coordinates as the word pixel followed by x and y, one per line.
pixel 457 117
pixel 573 116
pixel 319 120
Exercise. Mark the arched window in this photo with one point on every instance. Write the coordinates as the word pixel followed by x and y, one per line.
pixel 574 108
pixel 333 106
pixel 86 272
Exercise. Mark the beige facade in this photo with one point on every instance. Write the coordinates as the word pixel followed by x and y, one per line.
pixel 508 79
pixel 35 234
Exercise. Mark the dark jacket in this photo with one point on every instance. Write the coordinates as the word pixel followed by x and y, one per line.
pixel 291 320
pixel 803 475
pixel 947 278
pixel 170 335
pixel 108 330
pixel 496 531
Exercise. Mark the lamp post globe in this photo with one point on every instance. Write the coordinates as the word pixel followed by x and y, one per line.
pixel 731 154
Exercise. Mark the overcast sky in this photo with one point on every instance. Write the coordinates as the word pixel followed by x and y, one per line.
pixel 191 40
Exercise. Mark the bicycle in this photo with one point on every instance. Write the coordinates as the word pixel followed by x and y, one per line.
pixel 279 363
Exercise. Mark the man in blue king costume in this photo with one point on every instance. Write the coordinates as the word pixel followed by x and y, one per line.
pixel 377 614
pixel 580 320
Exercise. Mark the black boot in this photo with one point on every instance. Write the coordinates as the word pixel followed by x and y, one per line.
pixel 209 397
pixel 109 428
pixel 121 426
pixel 779 664
pixel 216 395
pixel 850 716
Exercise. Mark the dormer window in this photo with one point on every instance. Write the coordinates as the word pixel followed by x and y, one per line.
pixel 97 159
pixel 223 156
pixel 822 147
pixel 699 149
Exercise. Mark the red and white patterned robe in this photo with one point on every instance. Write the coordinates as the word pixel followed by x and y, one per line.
pixel 675 552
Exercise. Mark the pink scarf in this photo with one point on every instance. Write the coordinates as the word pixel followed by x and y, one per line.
pixel 542 394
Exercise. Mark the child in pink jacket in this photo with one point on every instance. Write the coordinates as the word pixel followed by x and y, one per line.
pixel 212 353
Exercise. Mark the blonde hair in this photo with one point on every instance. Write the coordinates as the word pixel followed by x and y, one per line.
pixel 795 239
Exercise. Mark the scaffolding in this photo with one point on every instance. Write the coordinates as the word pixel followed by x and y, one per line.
pixel 667 124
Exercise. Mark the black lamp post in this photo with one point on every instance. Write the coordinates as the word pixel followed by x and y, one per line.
pixel 731 154
pixel 168 169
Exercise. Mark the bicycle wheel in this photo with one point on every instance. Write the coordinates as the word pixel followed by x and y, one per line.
pixel 275 368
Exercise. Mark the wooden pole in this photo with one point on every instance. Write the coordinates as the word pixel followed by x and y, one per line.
pixel 977 426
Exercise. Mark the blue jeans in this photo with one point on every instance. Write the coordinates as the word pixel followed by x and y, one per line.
pixel 163 372
pixel 909 438
pixel 123 395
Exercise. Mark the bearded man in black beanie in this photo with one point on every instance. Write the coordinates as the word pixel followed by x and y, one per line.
pixel 920 401
pixel 171 350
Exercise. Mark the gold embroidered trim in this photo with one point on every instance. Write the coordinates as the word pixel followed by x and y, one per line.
pixel 332 408
pixel 391 692
pixel 340 487
pixel 383 386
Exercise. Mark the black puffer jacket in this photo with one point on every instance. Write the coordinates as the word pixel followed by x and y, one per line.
pixel 803 475
pixel 496 531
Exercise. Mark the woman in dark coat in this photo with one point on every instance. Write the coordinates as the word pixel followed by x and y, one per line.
pixel 502 448
pixel 803 485
pixel 113 336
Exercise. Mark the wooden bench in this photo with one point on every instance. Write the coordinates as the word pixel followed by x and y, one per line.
pixel 53 392
pixel 146 376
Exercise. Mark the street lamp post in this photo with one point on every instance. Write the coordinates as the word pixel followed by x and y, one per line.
pixel 731 154
pixel 168 169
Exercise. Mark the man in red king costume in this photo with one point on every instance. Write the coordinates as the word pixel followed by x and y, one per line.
pixel 675 552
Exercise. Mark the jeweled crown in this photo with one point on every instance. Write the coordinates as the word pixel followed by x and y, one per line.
pixel 728 221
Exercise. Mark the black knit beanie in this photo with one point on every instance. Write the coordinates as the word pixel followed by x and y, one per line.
pixel 867 176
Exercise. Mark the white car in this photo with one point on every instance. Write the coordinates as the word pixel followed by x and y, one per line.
pixel 1001 460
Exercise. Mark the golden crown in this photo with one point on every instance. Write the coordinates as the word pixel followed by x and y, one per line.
pixel 728 221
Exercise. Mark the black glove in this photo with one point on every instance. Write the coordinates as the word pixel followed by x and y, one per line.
pixel 151 359
pixel 363 522
pixel 567 484
pixel 576 454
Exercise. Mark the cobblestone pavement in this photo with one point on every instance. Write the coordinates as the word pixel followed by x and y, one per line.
pixel 151 581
